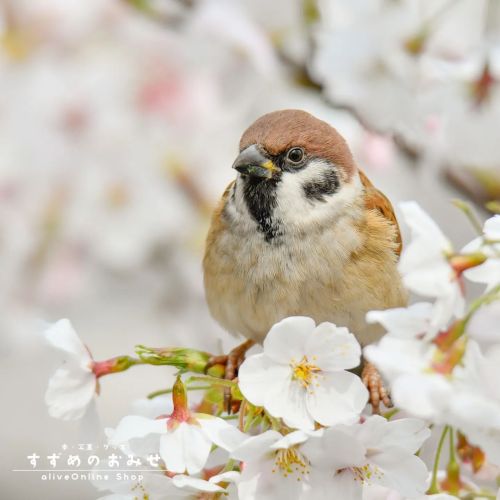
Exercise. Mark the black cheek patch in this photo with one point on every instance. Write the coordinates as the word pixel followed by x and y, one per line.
pixel 322 187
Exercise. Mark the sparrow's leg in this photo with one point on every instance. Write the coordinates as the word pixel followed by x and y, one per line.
pixel 235 358
pixel 232 361
pixel 375 385
pixel 216 360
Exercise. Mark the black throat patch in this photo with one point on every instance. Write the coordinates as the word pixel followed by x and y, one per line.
pixel 260 198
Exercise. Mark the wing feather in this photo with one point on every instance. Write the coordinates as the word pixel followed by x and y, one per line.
pixel 375 200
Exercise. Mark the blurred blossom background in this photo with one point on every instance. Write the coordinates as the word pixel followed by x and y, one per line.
pixel 119 122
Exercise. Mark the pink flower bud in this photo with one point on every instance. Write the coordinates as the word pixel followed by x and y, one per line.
pixel 461 263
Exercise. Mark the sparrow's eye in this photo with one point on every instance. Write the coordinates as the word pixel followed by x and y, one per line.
pixel 295 155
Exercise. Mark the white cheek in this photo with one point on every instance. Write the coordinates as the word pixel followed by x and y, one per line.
pixel 238 211
pixel 295 209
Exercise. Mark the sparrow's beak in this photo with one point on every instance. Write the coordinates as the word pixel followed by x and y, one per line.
pixel 252 162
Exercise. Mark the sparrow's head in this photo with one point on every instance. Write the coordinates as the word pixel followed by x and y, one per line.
pixel 293 169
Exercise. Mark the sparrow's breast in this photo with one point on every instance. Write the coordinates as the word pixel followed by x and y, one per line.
pixel 252 282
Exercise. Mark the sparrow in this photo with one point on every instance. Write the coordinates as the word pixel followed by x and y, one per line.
pixel 301 231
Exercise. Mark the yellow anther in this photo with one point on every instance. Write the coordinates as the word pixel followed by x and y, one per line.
pixel 305 372
pixel 290 461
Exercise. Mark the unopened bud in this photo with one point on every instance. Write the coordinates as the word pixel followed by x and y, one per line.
pixel 181 411
pixel 444 362
pixel 445 339
pixel 184 359
pixel 452 483
pixel 113 365
pixel 470 454
pixel 461 263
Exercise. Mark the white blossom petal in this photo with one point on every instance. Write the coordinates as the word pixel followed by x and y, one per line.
pixel 295 437
pixel 195 484
pixel 259 481
pixel 338 399
pixel 286 340
pixel 344 485
pixel 259 375
pixel 403 472
pixel 255 448
pixel 220 432
pixel 491 228
pixel 406 433
pixel 333 348
pixel 422 226
pixel 185 449
pixel 69 392
pixel 290 404
pixel 334 450
pixel 231 476
pixel 423 395
pixel 394 356
pixel 62 335
pixel 488 273
pixel 404 322
pixel 134 426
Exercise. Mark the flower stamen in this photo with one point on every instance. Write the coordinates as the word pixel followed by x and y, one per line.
pixel 366 473
pixel 290 460
pixel 305 372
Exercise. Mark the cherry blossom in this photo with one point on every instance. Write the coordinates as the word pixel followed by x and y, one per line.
pixel 483 326
pixel 376 492
pixel 72 387
pixel 344 459
pixel 489 243
pixel 301 375
pixel 424 71
pixel 184 439
pixel 156 486
pixel 222 483
pixel 475 405
pixel 415 387
pixel 425 267
pixel 274 466
pixel 405 322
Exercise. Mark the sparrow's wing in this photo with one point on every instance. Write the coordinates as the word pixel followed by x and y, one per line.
pixel 376 200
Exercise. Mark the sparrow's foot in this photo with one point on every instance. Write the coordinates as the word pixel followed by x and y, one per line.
pixel 232 361
pixel 375 385
pixel 216 360
pixel 235 358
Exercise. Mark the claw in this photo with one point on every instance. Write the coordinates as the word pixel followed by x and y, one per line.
pixel 375 385
pixel 234 360
pixel 216 360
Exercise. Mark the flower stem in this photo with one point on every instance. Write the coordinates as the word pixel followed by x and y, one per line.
pixel 453 457
pixel 491 296
pixel 452 482
pixel 211 380
pixel 389 414
pixel 467 210
pixel 241 420
pixel 114 365
pixel 433 488
pixel 161 392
